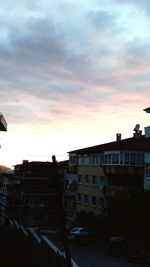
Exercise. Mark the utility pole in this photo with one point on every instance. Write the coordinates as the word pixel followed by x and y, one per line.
pixel 62 212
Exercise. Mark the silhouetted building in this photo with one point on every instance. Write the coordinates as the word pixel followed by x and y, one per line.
pixel 35 198
pixel 70 194
pixel 9 187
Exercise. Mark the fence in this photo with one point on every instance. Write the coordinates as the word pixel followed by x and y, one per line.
pixel 31 248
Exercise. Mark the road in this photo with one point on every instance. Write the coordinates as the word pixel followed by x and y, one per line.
pixel 94 256
pixel 18 251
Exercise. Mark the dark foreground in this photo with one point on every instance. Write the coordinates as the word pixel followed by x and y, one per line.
pixel 19 251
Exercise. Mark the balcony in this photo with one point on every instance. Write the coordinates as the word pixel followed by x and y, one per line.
pixel 122 192
pixel 69 193
pixel 38 191
pixel 125 170
pixel 53 206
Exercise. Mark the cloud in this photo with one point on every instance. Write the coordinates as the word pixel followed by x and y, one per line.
pixel 65 61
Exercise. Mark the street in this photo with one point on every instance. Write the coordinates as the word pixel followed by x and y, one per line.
pixel 95 256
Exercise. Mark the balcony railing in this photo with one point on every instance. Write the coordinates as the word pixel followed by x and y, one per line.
pixel 119 169
pixel 122 192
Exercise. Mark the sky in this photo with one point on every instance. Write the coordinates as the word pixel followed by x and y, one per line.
pixel 72 75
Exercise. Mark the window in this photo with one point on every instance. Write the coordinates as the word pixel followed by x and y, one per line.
pixel 94 201
pixel 94 160
pixel 101 159
pixel 123 157
pixel 86 160
pixel 79 197
pixel 133 159
pixel 105 158
pixel 79 178
pixel 94 180
pixel 86 199
pixel 101 182
pixel 72 159
pixel 80 160
pixel 115 158
pixel 147 171
pixel 4 201
pixel 126 161
pixel 139 159
pixel 111 158
pixel 101 202
pixel 86 179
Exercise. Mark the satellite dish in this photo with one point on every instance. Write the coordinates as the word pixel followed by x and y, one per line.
pixel 137 127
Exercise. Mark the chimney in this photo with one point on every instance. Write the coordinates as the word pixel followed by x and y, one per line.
pixel 118 137
pixel 25 161
pixel 147 131
pixel 137 134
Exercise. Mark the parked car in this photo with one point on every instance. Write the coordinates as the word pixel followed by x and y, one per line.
pixel 79 234
pixel 116 245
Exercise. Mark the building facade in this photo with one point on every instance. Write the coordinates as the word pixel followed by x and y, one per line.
pixel 9 186
pixel 33 194
pixel 113 175
pixel 70 194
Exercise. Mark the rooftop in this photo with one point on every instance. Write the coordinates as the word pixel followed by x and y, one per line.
pixel 138 144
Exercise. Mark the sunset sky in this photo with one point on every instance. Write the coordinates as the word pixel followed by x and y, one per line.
pixel 73 73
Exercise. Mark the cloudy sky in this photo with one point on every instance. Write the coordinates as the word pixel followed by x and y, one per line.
pixel 72 74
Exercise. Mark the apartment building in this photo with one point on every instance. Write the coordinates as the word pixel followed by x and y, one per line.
pixel 70 194
pixel 8 196
pixel 39 183
pixel 147 164
pixel 90 180
pixel 111 175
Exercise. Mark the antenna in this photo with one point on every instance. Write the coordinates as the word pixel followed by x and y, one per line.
pixel 137 127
